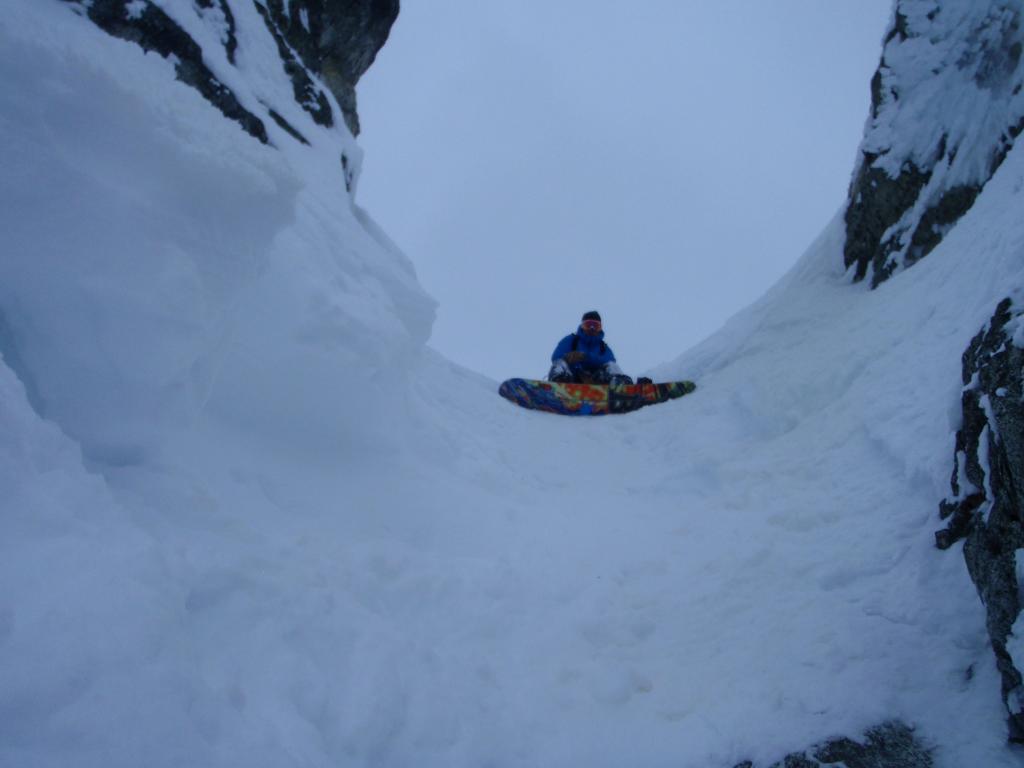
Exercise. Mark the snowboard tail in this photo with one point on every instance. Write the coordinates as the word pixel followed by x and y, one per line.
pixel 590 399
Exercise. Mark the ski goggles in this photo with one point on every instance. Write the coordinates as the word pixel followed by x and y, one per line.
pixel 593 326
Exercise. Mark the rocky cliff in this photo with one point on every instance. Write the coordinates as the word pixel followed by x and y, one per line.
pixel 335 39
pixel 946 106
pixel 986 505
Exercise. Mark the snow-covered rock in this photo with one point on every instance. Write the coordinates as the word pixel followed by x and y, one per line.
pixel 890 745
pixel 315 39
pixel 946 107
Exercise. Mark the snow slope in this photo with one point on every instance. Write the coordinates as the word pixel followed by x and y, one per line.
pixel 249 518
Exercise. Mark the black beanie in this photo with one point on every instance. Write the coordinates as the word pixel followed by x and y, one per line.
pixel 592 315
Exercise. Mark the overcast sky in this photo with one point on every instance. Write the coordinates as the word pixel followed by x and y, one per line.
pixel 661 161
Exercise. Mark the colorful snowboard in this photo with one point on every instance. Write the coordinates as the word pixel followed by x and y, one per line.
pixel 590 399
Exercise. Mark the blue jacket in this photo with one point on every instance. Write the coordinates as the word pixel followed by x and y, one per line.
pixel 588 345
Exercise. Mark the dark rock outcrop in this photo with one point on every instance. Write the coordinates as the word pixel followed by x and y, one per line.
pixel 921 165
pixel 985 506
pixel 890 745
pixel 336 39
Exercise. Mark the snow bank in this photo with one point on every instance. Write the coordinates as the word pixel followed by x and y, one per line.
pixel 153 252
pixel 84 607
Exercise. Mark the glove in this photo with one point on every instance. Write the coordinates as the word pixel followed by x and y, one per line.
pixel 644 380
pixel 574 357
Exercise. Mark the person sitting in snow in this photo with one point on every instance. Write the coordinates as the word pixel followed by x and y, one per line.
pixel 584 358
